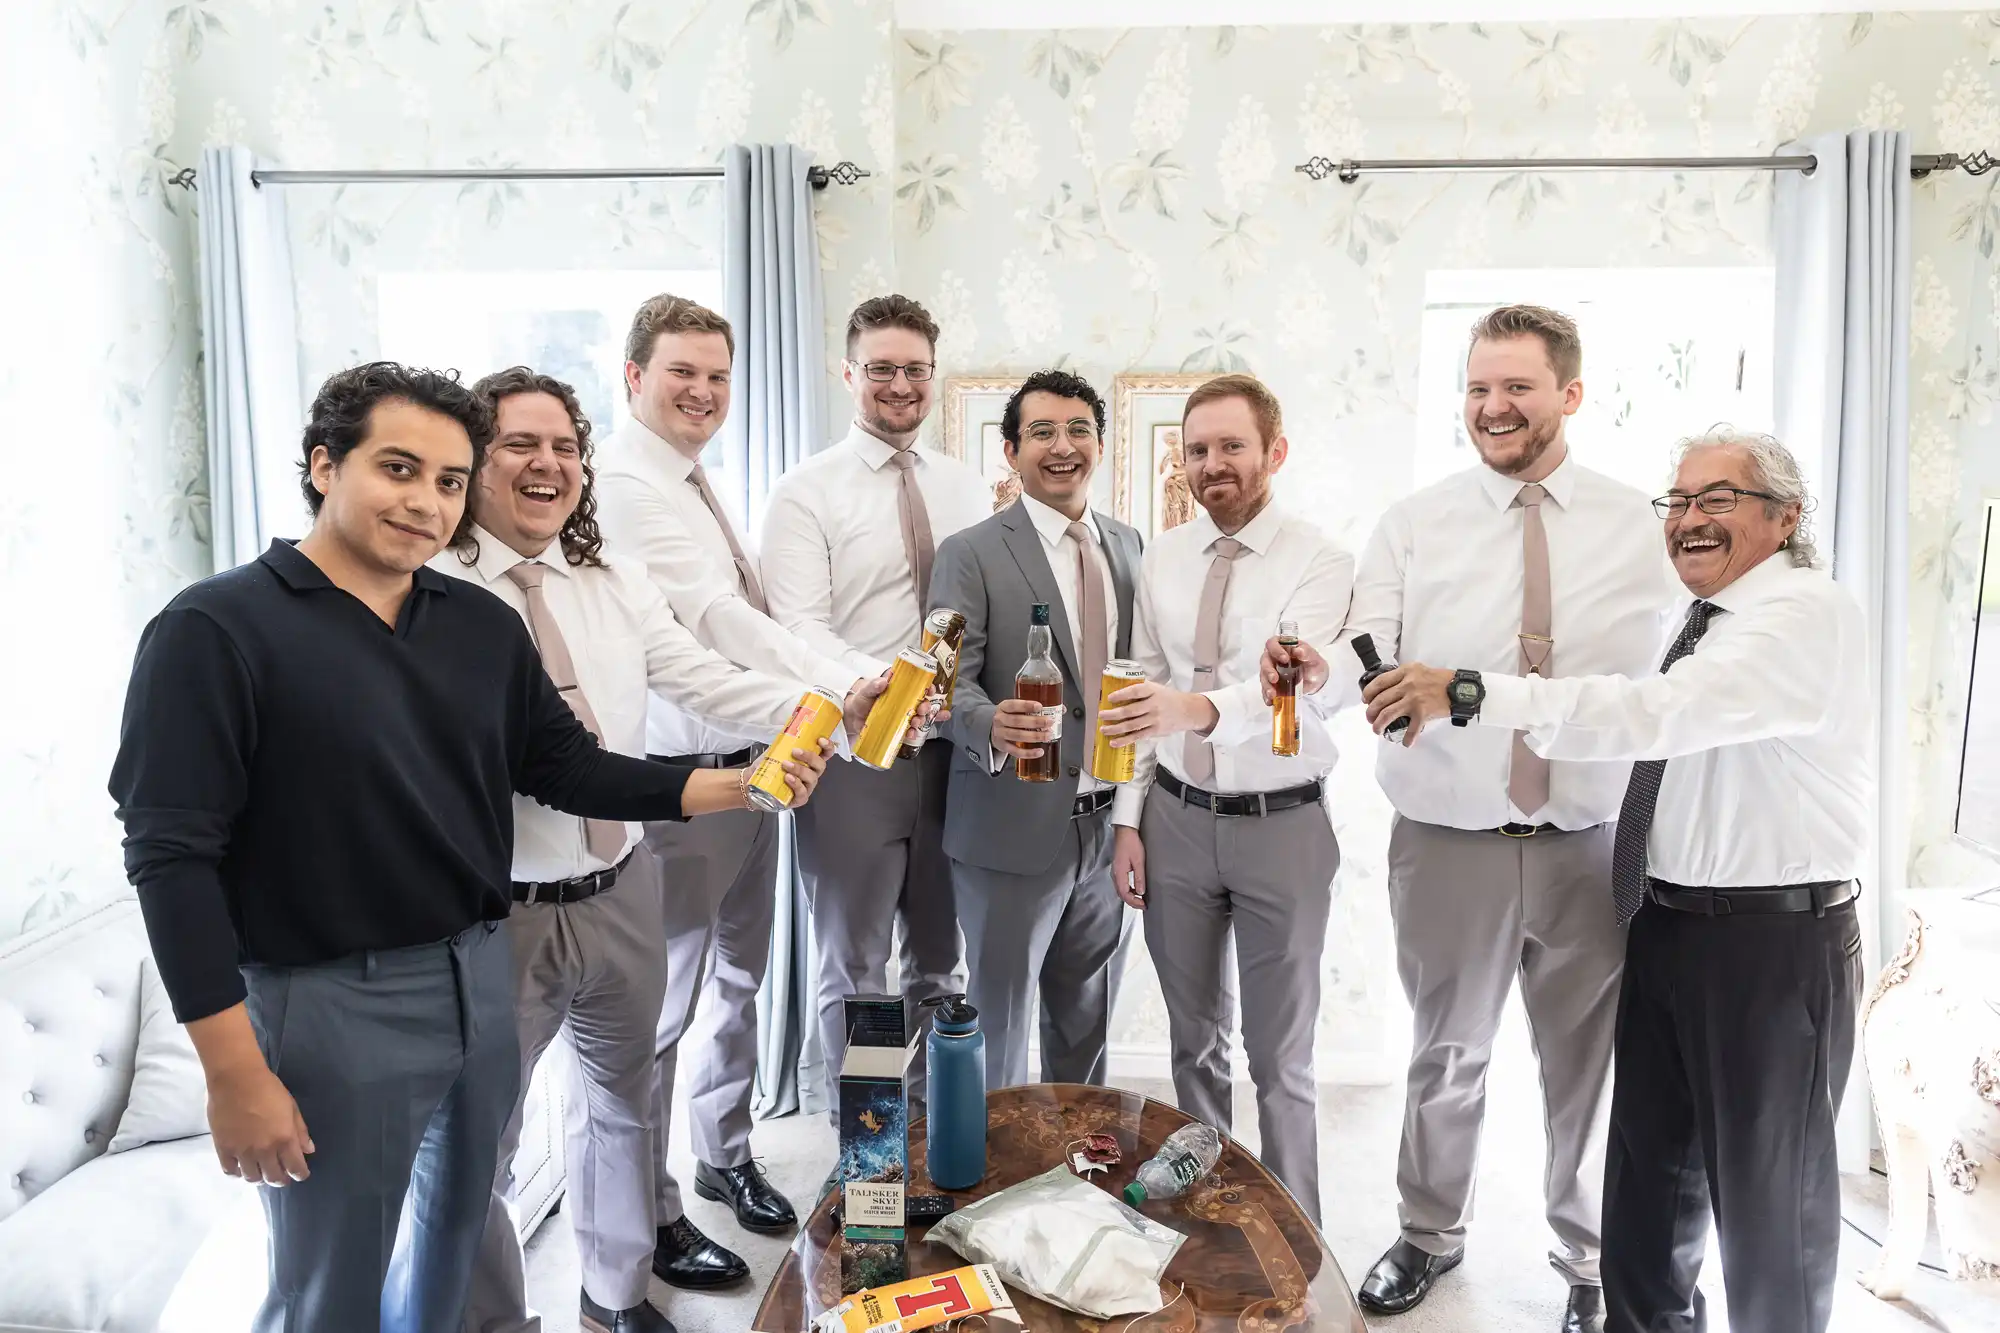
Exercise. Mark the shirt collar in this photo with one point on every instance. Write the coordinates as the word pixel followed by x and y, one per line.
pixel 297 571
pixel 645 451
pixel 873 450
pixel 1053 524
pixel 1256 535
pixel 1501 490
pixel 1758 584
pixel 497 557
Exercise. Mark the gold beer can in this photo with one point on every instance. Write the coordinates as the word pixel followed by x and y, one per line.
pixel 1108 762
pixel 910 680
pixel 812 721
pixel 944 635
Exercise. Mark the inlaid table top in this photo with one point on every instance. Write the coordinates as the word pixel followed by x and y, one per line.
pixel 1253 1263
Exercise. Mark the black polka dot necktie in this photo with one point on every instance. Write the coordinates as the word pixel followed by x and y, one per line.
pixel 1635 815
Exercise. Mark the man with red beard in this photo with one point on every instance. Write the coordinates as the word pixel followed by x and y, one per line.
pixel 1500 860
pixel 1220 841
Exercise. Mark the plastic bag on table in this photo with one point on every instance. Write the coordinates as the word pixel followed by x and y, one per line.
pixel 1067 1242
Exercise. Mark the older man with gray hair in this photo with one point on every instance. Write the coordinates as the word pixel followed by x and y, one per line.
pixel 1734 862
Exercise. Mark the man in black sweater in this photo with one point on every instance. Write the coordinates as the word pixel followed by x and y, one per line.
pixel 315 774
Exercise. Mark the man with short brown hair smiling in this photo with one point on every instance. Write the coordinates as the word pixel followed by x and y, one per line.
pixel 1526 562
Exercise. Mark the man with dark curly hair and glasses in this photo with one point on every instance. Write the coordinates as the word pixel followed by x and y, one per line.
pixel 588 895
pixel 316 774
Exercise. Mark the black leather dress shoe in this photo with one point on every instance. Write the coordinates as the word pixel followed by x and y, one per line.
pixel 641 1318
pixel 746 1189
pixel 1403 1277
pixel 1586 1311
pixel 683 1257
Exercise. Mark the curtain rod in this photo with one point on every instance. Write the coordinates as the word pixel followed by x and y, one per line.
pixel 1347 169
pixel 819 177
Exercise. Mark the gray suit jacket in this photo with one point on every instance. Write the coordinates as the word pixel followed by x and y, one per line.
pixel 994 572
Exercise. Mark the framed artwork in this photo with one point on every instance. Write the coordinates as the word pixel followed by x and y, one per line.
pixel 972 410
pixel 1146 475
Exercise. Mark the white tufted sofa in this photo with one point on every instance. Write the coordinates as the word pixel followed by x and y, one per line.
pixel 156 1238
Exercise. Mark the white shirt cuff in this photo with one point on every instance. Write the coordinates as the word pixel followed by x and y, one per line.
pixel 1510 703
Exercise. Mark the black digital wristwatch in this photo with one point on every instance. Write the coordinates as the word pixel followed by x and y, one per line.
pixel 1466 692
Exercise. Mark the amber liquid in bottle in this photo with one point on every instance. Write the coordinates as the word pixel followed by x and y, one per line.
pixel 1040 680
pixel 1285 698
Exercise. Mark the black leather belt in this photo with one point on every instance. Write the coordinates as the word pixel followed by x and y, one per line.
pixel 1092 802
pixel 736 759
pixel 1255 804
pixel 561 891
pixel 1814 898
pixel 1526 830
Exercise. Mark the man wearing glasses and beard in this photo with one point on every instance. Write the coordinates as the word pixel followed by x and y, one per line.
pixel 849 538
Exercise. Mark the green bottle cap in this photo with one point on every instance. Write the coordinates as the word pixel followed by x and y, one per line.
pixel 1135 1194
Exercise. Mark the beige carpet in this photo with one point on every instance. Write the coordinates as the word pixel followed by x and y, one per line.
pixel 1504 1285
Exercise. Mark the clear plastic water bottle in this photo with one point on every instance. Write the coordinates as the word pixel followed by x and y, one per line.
pixel 1189 1153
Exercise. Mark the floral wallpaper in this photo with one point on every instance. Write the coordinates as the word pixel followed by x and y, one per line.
pixel 98 384
pixel 1111 200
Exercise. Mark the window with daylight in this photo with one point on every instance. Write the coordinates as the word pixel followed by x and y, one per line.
pixel 569 323
pixel 1667 353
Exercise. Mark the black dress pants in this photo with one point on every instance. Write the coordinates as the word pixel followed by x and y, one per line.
pixel 1735 1035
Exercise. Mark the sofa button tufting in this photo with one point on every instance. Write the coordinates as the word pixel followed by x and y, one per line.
pixel 17 1183
pixel 29 1098
pixel 98 1060
pixel 98 991
pixel 90 1136
pixel 28 1027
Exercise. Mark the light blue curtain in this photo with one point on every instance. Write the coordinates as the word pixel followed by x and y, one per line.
pixel 771 294
pixel 1841 237
pixel 250 372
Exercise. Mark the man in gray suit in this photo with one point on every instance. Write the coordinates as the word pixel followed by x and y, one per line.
pixel 1031 861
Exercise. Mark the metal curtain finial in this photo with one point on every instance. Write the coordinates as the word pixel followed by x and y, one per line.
pixel 844 172
pixel 183 178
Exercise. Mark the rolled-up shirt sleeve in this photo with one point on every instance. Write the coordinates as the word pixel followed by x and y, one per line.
pixel 1764 680
pixel 180 780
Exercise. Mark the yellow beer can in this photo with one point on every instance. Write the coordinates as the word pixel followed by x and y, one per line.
pixel 1108 762
pixel 913 677
pixel 812 721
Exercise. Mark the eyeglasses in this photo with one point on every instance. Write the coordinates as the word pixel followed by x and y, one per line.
pixel 1714 500
pixel 884 372
pixel 1044 432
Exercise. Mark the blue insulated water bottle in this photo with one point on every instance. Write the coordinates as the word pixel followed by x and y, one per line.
pixel 956 1130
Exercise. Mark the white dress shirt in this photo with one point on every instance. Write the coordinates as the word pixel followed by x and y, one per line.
pixel 1766 727
pixel 1441 584
pixel 623 637
pixel 649 511
pixel 1052 526
pixel 1289 570
pixel 835 570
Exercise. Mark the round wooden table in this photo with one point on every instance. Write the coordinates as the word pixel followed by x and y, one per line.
pixel 1253 1262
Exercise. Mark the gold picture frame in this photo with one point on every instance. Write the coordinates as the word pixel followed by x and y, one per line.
pixel 1151 494
pixel 972 408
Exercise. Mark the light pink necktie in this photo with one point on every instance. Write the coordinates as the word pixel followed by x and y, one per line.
pixel 1091 638
pixel 917 543
pixel 604 838
pixel 1528 778
pixel 1196 753
pixel 746 576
